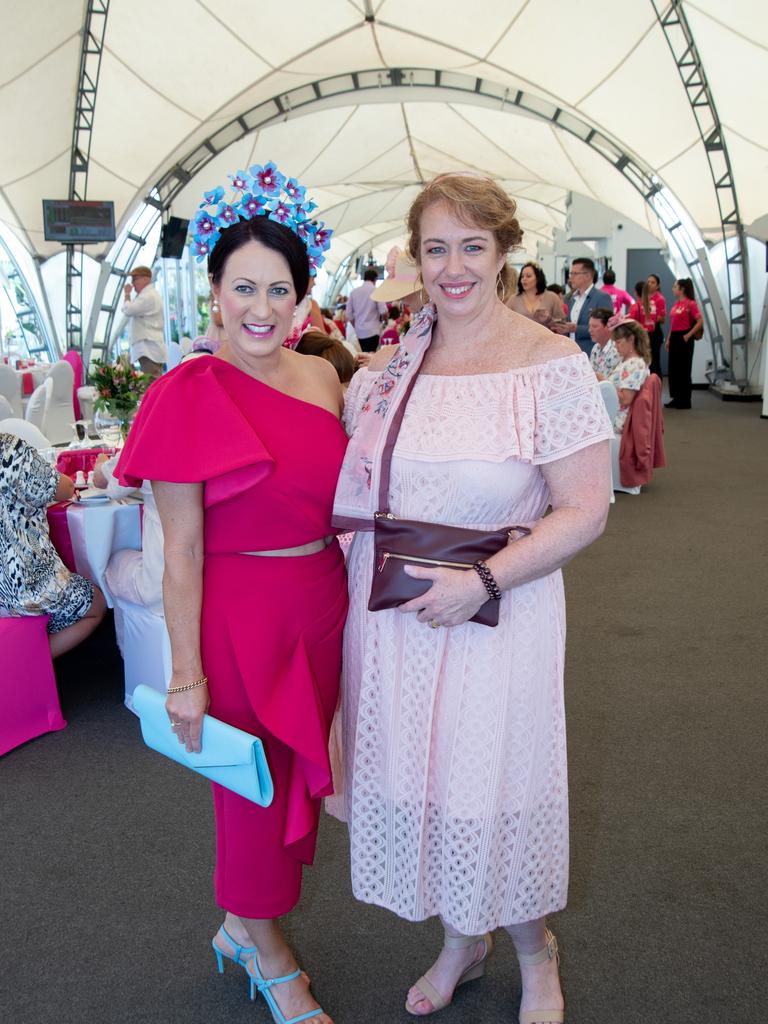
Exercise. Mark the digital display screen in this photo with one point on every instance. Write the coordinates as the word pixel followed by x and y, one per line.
pixel 73 222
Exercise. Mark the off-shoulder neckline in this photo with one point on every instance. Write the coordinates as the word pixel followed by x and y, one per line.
pixel 513 371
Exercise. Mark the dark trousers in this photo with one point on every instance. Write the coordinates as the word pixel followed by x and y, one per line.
pixel 369 344
pixel 680 363
pixel 657 340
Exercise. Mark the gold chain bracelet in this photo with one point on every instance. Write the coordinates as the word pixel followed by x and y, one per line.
pixel 189 686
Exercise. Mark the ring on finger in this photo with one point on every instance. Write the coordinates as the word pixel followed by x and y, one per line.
pixel 434 624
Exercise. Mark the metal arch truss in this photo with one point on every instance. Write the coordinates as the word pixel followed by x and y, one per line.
pixel 679 36
pixel 422 83
pixel 94 28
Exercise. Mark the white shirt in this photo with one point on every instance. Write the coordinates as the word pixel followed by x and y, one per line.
pixel 146 315
pixel 578 302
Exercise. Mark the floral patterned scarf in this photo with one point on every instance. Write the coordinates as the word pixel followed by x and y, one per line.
pixel 358 488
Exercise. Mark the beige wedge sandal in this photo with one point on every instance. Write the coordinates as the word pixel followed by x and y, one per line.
pixel 549 952
pixel 475 970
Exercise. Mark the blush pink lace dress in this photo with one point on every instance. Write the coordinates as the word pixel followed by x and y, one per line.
pixel 454 761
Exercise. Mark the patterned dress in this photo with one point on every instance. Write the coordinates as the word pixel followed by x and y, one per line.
pixel 455 778
pixel 630 374
pixel 33 579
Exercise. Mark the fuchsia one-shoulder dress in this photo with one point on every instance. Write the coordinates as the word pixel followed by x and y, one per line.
pixel 271 627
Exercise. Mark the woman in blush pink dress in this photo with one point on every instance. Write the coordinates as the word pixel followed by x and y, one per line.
pixel 243 450
pixel 455 776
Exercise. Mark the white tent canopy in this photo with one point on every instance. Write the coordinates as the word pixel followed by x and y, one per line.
pixel 175 74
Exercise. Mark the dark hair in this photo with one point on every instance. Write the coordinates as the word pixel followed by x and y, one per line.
pixel 685 284
pixel 271 234
pixel 588 264
pixel 609 277
pixel 541 281
pixel 371 274
pixel 556 288
pixel 601 314
pixel 657 279
pixel 639 285
pixel 314 343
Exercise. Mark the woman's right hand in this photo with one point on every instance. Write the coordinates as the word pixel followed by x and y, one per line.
pixel 185 711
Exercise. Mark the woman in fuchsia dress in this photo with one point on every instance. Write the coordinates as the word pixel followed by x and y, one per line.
pixel 244 450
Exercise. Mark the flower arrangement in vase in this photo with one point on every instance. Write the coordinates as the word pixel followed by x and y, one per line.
pixel 119 388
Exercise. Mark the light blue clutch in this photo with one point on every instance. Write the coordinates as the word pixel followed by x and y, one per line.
pixel 229 756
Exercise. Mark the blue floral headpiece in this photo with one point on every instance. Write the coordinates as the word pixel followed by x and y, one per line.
pixel 262 192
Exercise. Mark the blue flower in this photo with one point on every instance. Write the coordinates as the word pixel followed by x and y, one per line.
pixel 252 206
pixel 226 215
pixel 213 197
pixel 281 212
pixel 239 181
pixel 203 225
pixel 268 178
pixel 295 191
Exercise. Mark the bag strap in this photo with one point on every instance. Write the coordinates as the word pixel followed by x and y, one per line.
pixel 389 445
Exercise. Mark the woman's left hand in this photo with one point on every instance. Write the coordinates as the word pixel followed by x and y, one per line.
pixel 454 597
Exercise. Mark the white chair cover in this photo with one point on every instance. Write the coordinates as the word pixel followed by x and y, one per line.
pixel 86 396
pixel 60 414
pixel 611 399
pixel 26 431
pixel 10 388
pixel 175 353
pixel 145 646
pixel 6 409
pixel 37 406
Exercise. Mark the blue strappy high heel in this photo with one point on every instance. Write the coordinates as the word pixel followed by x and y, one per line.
pixel 237 956
pixel 258 981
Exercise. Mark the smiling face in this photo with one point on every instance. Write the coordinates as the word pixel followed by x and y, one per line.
pixel 257 299
pixel 459 264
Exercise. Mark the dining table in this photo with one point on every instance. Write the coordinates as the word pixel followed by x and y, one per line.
pixel 87 533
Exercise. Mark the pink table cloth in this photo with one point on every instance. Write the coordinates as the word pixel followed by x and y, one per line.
pixel 29 701
pixel 71 462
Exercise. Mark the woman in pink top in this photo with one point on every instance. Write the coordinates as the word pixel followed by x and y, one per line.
pixel 685 322
pixel 658 307
pixel 454 733
pixel 643 310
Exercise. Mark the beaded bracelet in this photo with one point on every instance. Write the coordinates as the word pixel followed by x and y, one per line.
pixel 490 584
pixel 189 686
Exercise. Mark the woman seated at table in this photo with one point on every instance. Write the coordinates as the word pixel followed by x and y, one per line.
pixel 634 347
pixel 33 579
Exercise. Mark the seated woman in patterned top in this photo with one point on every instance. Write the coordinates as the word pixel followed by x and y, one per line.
pixel 634 347
pixel 33 579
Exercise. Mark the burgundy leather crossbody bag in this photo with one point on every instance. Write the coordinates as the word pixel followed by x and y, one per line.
pixel 401 542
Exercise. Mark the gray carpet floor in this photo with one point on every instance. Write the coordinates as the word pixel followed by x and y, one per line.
pixel 107 850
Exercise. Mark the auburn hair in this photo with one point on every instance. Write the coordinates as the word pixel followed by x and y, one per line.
pixel 477 202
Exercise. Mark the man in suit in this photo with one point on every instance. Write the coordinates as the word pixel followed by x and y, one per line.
pixel 584 298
